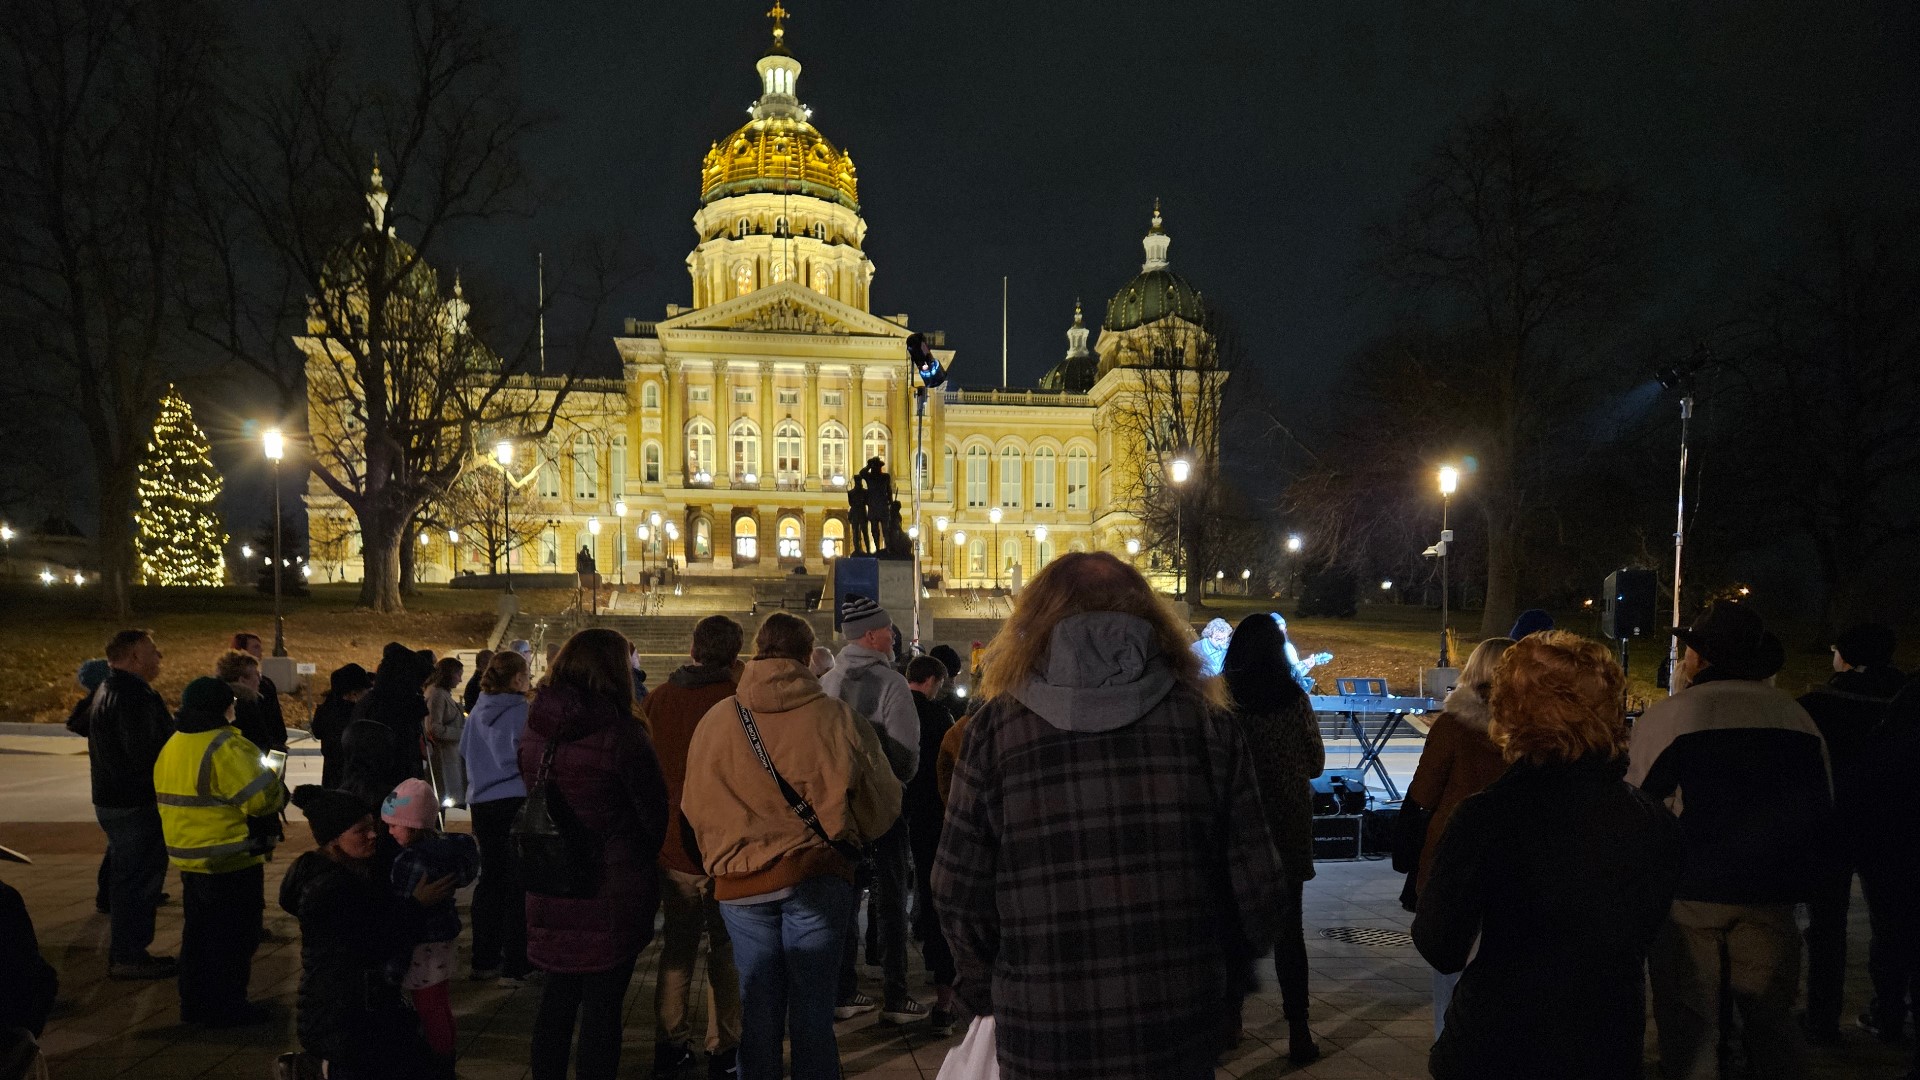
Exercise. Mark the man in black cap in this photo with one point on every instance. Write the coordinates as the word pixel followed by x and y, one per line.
pixel 1744 768
pixel 1847 710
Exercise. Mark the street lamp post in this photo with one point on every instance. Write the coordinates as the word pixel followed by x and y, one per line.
pixel 655 532
pixel 1246 582
pixel 1039 539
pixel 940 523
pixel 276 448
pixel 959 546
pixel 620 530
pixel 645 532
pixel 503 457
pixel 1449 483
pixel 1178 471
pixel 994 516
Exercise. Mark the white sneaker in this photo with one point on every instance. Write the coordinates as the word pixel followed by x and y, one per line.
pixel 854 1006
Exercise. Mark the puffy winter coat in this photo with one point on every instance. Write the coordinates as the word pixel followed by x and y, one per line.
pixel 351 927
pixel 209 780
pixel 606 770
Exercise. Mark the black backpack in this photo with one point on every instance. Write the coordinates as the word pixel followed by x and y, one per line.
pixel 558 856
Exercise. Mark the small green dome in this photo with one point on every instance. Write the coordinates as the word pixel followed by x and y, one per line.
pixel 1152 296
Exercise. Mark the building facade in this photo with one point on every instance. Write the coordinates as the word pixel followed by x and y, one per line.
pixel 739 419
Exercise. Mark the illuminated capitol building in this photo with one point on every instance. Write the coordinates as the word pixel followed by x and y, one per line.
pixel 741 418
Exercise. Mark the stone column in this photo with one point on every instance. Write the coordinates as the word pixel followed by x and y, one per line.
pixel 767 421
pixel 810 411
pixel 856 418
pixel 673 436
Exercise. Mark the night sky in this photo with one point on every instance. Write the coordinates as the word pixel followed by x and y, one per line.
pixel 1030 139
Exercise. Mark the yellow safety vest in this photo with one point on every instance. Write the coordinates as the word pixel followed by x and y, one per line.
pixel 208 783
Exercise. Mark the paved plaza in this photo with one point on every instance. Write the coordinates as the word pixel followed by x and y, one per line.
pixel 1370 1002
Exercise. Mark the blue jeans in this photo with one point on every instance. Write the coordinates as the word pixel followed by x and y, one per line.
pixel 788 955
pixel 137 853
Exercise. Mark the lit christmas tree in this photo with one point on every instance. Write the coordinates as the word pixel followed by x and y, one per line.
pixel 180 535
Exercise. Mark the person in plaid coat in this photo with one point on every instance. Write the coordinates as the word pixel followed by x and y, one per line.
pixel 1105 876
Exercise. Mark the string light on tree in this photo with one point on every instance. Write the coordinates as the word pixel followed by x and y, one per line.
pixel 179 538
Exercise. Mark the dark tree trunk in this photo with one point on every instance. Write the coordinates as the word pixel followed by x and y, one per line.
pixel 380 559
pixel 1503 574
pixel 409 552
pixel 117 559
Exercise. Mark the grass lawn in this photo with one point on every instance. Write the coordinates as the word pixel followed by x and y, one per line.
pixel 46 633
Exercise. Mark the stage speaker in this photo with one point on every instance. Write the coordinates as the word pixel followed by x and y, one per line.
pixel 1629 609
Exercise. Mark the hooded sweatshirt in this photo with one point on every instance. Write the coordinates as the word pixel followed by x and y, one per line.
pixel 752 842
pixel 1459 760
pixel 865 679
pixel 1105 868
pixel 672 713
pixel 491 748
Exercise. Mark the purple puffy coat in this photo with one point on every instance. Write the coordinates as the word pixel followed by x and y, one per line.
pixel 607 771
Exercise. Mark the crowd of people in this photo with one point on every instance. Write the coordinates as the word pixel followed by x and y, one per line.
pixel 1094 848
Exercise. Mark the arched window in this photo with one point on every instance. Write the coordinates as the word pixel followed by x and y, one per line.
pixel 1043 467
pixel 786 451
pixel 780 226
pixel 650 463
pixel 873 444
pixel 617 467
pixel 743 277
pixel 1079 469
pixel 1009 476
pixel 702 539
pixel 549 476
pixel 977 557
pixel 650 395
pixel 745 444
pixel 946 470
pixel 1042 555
pixel 833 452
pixel 819 231
pixel 833 538
pixel 789 538
pixel 746 539
pixel 586 468
pixel 976 476
pixel 700 447
pixel 782 270
pixel 920 459
pixel 741 228
pixel 822 278
pixel 550 547
pixel 1009 554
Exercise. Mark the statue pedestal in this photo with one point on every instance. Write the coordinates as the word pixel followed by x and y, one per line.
pixel 887 582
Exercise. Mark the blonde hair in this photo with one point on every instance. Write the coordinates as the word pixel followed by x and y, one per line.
pixel 1477 675
pixel 1074 584
pixel 1557 697
pixel 233 664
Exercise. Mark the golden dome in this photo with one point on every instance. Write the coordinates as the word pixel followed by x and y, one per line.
pixel 782 155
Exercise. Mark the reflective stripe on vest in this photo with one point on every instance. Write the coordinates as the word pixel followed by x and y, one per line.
pixel 211 851
pixel 204 786
pixel 165 799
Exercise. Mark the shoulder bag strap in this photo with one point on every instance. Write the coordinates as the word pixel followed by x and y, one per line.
pixel 799 804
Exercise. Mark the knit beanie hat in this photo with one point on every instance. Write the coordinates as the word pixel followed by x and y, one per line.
pixel 207 694
pixel 859 615
pixel 329 812
pixel 93 673
pixel 1868 645
pixel 411 804
pixel 1531 621
pixel 348 679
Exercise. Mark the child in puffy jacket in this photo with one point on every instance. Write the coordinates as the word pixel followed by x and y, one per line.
pixel 427 854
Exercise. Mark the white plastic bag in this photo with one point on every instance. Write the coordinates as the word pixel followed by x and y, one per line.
pixel 975 1058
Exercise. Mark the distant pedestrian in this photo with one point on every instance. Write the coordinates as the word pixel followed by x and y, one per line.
pixel 822 661
pixel 924 807
pixel 605 767
pixel 1460 759
pixel 1211 646
pixel 1105 874
pixel 412 816
pixel 251 714
pixel 1554 880
pixel 490 752
pixel 1530 621
pixel 864 678
pixel 264 717
pixel 213 787
pixel 471 695
pixel 690 911
pixel 352 929
pixel 345 687
pixel 785 882
pixel 1848 710
pixel 398 702
pixel 1745 769
pixel 446 721
pixel 126 728
pixel 1283 740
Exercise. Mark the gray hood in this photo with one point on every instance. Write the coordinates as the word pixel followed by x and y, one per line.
pixel 1104 671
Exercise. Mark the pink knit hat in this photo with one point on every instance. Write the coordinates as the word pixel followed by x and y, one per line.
pixel 411 804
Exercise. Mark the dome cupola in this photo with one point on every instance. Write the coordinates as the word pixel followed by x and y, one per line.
pixel 779 150
pixel 1157 292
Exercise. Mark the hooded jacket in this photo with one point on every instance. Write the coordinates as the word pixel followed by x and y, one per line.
pixel 352 927
pixel 1847 710
pixel 751 840
pixel 865 679
pixel 209 779
pixel 127 727
pixel 490 747
pixel 672 713
pixel 1458 760
pixel 606 769
pixel 1105 868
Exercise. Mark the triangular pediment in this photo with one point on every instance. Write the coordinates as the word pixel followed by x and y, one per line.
pixel 786 308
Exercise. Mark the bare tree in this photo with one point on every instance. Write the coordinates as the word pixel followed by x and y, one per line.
pixel 491 513
pixel 1174 408
pixel 1518 250
pixel 105 109
pixel 401 387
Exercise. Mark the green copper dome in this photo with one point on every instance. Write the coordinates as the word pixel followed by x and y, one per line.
pixel 1152 296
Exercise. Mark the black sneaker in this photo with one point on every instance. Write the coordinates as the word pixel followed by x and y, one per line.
pixel 724 1065
pixel 144 967
pixel 854 1006
pixel 940 1022
pixel 904 1013
pixel 670 1058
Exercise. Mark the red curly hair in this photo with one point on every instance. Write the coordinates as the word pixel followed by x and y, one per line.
pixel 1557 697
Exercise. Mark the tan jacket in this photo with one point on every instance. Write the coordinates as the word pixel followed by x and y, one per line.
pixel 750 840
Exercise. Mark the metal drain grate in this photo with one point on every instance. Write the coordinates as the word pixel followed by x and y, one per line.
pixel 1367 935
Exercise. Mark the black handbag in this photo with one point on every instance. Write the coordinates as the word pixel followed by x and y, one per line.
pixel 1409 836
pixel 558 856
pixel 795 801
